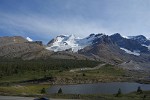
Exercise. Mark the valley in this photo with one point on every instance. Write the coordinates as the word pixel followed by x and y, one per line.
pixel 27 67
pixel 26 81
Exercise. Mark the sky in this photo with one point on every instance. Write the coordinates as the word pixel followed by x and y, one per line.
pixel 46 19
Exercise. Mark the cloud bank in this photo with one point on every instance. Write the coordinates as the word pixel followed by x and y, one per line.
pixel 41 25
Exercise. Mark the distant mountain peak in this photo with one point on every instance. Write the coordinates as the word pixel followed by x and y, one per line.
pixel 141 39
pixel 138 37
pixel 117 34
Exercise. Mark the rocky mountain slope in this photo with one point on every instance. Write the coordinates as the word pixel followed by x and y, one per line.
pixel 133 44
pixel 142 40
pixel 114 49
pixel 19 47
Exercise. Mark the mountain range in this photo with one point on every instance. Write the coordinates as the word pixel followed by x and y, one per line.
pixel 131 52
pixel 132 44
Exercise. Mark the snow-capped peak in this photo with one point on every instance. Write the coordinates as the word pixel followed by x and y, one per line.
pixel 29 39
pixel 65 42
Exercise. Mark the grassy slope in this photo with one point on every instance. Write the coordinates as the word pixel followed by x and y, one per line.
pixel 18 70
pixel 30 89
pixel 106 73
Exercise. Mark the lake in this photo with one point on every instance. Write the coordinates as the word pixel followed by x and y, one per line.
pixel 98 88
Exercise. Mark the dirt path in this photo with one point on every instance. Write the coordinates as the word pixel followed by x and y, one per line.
pixel 84 69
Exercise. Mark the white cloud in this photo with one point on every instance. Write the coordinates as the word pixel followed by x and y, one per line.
pixel 48 26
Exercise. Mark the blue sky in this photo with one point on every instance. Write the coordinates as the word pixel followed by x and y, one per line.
pixel 45 19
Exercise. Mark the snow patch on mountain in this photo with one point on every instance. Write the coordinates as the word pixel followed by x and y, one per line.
pixel 125 37
pixel 136 53
pixel 29 39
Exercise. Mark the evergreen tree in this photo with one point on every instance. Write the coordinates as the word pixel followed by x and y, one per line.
pixel 83 74
pixel 43 91
pixel 144 97
pixel 119 93
pixel 60 91
pixel 139 90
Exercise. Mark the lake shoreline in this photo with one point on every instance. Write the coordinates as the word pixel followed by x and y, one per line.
pixel 128 96
pixel 50 85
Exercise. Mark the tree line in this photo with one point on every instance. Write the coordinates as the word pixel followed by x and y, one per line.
pixel 9 67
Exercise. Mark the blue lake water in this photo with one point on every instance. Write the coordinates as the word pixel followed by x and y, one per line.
pixel 98 88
